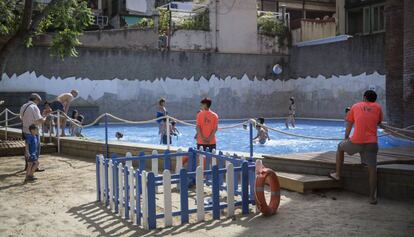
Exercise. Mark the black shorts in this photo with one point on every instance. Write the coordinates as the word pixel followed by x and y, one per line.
pixel 210 147
pixel 56 105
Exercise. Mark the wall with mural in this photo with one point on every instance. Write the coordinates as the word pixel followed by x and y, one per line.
pixel 129 83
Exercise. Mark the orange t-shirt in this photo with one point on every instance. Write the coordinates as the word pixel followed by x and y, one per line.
pixel 207 120
pixel 365 116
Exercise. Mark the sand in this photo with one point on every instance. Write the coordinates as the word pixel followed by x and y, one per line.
pixel 62 203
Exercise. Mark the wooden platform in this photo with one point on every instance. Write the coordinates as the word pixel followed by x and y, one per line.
pixel 395 172
pixel 305 182
pixel 403 155
pixel 16 147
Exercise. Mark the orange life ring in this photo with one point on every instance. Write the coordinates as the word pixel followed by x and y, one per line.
pixel 269 177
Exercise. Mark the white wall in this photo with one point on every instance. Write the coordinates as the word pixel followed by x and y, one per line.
pixel 233 97
pixel 237 26
pixel 191 40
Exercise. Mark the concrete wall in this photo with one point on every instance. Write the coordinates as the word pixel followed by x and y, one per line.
pixel 204 41
pixel 232 97
pixel 191 40
pixel 119 38
pixel 357 55
pixel 313 29
pixel 237 26
pixel 324 79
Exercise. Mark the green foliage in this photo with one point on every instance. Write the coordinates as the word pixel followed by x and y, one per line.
pixel 198 22
pixel 268 25
pixel 144 23
pixel 69 19
pixel 163 21
pixel 66 19
pixel 10 17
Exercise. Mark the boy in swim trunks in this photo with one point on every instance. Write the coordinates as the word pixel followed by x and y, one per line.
pixel 33 152
pixel 262 135
pixel 364 117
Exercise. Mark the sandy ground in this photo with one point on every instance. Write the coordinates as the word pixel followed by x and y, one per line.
pixel 62 203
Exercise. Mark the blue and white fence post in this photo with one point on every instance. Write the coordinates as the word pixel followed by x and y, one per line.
pixel 98 179
pixel 106 135
pixel 251 140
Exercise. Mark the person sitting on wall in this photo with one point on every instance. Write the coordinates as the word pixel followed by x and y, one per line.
pixel 62 103
pixel 364 117
pixel 207 125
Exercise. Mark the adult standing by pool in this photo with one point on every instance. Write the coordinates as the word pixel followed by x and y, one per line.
pixel 30 114
pixel 161 112
pixel 292 113
pixel 364 116
pixel 207 124
pixel 62 103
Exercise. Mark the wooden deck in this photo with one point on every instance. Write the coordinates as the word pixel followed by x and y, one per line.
pixel 305 182
pixel 403 155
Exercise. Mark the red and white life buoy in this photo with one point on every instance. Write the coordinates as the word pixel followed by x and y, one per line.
pixel 269 177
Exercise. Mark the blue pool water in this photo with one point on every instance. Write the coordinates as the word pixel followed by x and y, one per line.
pixel 238 139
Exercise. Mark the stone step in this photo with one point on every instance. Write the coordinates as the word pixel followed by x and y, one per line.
pixel 305 182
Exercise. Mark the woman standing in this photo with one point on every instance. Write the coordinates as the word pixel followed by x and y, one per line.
pixel 292 112
pixel 161 112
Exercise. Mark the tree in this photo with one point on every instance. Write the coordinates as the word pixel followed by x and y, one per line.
pixel 22 20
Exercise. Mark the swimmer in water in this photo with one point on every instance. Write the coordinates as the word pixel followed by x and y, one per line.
pixel 262 135
pixel 174 129
pixel 292 113
pixel 119 135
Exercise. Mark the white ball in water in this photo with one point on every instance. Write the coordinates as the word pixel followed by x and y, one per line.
pixel 277 69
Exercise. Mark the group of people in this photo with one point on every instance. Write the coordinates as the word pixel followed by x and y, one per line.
pixel 363 118
pixel 33 120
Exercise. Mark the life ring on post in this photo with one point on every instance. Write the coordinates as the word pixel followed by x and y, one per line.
pixel 269 177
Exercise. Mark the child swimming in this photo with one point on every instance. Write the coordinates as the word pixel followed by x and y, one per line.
pixel 262 135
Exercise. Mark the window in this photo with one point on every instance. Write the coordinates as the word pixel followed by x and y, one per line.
pixel 378 19
pixel 366 20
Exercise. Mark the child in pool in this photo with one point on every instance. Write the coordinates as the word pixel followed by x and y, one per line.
pixel 77 131
pixel 262 135
pixel 174 130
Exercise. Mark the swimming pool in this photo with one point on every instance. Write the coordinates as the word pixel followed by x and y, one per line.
pixel 237 139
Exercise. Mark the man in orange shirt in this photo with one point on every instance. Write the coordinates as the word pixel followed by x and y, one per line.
pixel 365 117
pixel 207 123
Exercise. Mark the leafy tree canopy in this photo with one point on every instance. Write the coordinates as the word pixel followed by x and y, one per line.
pixel 22 20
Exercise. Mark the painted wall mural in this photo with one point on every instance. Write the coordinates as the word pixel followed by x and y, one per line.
pixel 232 97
